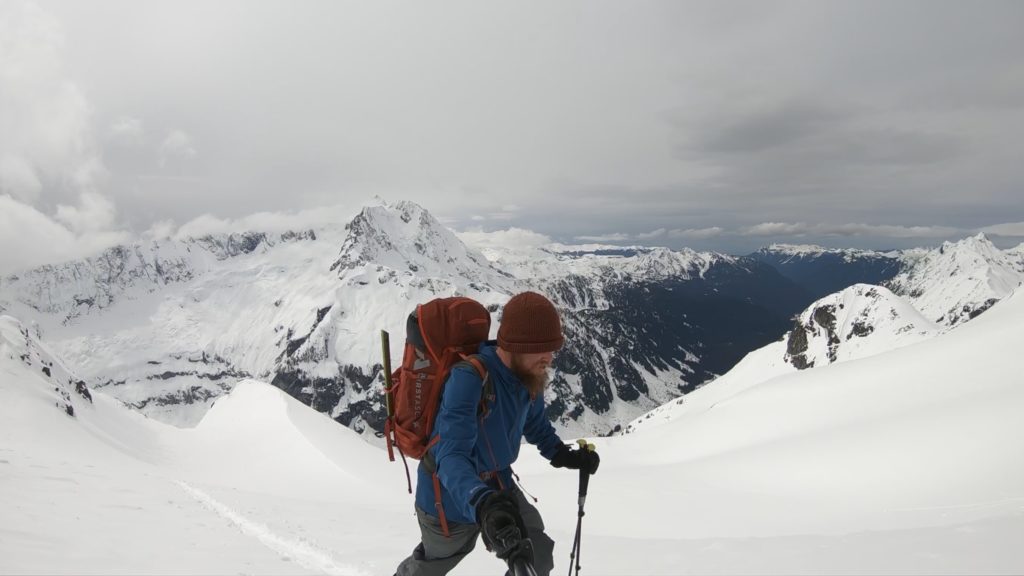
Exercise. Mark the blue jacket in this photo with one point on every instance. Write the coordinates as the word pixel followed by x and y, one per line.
pixel 465 451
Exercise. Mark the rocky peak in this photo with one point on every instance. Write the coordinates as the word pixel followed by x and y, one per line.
pixel 406 238
pixel 860 321
pixel 958 280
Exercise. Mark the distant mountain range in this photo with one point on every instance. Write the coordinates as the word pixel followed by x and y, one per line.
pixel 169 326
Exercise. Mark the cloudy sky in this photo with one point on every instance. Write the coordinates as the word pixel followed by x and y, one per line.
pixel 714 125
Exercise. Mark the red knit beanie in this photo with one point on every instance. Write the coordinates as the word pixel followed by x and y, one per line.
pixel 530 325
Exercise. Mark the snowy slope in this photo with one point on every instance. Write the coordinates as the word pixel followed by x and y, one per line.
pixel 858 322
pixel 19 345
pixel 903 462
pixel 112 491
pixel 958 280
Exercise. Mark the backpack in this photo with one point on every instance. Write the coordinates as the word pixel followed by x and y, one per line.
pixel 440 334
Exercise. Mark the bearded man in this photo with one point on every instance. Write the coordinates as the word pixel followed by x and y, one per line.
pixel 465 482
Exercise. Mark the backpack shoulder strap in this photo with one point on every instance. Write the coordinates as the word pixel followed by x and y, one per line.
pixel 476 363
pixel 487 389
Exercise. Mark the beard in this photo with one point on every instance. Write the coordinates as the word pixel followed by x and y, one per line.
pixel 534 377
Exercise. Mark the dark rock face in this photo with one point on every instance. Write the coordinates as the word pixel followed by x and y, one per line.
pixel 366 407
pixel 191 395
pixel 974 313
pixel 860 329
pixel 796 347
pixel 232 245
pixel 82 390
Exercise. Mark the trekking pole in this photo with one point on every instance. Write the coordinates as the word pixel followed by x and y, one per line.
pixel 574 556
pixel 520 567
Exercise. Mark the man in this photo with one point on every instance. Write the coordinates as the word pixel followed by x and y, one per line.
pixel 476 440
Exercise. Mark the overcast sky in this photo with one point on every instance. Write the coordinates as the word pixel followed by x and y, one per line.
pixel 713 125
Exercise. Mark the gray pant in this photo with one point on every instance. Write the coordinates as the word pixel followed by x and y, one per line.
pixel 436 555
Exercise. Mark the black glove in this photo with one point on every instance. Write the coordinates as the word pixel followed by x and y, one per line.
pixel 578 459
pixel 502 526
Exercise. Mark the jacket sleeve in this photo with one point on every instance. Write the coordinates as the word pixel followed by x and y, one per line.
pixel 456 428
pixel 539 431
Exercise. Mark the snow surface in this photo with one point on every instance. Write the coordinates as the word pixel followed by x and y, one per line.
pixel 906 461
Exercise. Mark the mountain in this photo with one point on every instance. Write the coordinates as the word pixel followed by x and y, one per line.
pixel 958 280
pixel 620 359
pixel 858 322
pixel 904 462
pixel 169 326
pixel 824 271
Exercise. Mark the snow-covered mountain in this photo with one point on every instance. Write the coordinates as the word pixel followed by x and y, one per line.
pixel 123 272
pixel 619 360
pixel 857 322
pixel 168 326
pixel 824 271
pixel 958 280
pixel 902 462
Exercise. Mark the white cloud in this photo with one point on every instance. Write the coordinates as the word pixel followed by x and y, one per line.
pixel 127 130
pixel 882 231
pixel 269 222
pixel 886 231
pixel 697 233
pixel 48 156
pixel 30 238
pixel 46 144
pixel 95 213
pixel 613 237
pixel 652 234
pixel 1007 229
pixel 160 230
pixel 776 229
pixel 19 179
pixel 177 144
pixel 509 238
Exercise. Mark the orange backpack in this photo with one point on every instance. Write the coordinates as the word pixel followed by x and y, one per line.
pixel 439 335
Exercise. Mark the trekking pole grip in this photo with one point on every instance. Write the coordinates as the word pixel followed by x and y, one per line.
pixel 584 474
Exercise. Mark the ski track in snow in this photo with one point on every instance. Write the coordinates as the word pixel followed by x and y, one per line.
pixel 303 553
